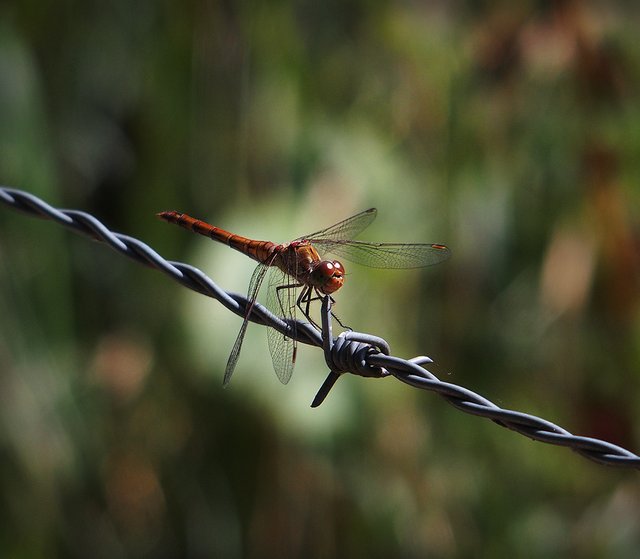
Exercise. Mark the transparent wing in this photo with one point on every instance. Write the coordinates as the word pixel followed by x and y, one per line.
pixel 254 286
pixel 346 229
pixel 281 301
pixel 385 255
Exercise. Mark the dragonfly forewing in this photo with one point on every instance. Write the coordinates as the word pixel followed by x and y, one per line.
pixel 387 255
pixel 345 229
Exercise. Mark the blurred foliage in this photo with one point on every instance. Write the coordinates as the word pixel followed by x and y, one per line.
pixel 508 131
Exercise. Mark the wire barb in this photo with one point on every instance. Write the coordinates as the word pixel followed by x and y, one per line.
pixel 352 352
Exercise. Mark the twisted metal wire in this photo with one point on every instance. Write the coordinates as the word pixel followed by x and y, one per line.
pixel 352 352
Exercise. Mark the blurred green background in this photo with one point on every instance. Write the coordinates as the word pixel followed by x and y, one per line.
pixel 508 131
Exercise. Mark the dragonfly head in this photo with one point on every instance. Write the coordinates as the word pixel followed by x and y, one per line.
pixel 328 276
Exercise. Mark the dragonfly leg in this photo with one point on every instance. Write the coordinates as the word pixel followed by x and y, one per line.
pixel 337 319
pixel 305 297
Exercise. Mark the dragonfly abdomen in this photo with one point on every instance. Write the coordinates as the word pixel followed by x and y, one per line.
pixel 262 251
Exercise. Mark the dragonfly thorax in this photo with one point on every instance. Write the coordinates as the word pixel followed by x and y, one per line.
pixel 327 276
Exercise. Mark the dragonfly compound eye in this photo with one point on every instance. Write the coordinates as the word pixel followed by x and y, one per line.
pixel 338 269
pixel 329 276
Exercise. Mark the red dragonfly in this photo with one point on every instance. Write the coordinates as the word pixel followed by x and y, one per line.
pixel 299 263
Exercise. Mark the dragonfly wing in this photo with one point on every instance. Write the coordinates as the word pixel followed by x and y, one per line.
pixel 254 286
pixel 281 302
pixel 345 229
pixel 386 255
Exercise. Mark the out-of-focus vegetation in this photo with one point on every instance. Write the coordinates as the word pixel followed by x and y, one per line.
pixel 509 131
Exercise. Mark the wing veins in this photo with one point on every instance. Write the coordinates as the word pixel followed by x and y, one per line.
pixel 345 229
pixel 387 255
pixel 254 286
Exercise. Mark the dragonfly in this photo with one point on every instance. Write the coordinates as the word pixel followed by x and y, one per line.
pixel 301 264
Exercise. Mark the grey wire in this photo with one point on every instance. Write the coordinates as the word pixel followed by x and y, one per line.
pixel 353 352
pixel 187 275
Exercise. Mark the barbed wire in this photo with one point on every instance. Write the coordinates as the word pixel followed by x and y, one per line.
pixel 350 352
